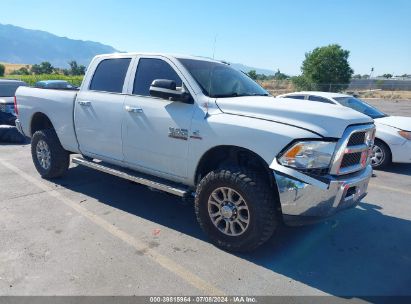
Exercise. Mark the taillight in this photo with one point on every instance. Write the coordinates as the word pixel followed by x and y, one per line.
pixel 16 110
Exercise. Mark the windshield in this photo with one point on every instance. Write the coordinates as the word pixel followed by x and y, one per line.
pixel 220 80
pixel 360 106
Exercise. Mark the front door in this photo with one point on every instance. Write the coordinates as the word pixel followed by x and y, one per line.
pixel 156 131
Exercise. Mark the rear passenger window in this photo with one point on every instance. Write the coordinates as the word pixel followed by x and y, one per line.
pixel 295 96
pixel 110 75
pixel 149 69
pixel 319 99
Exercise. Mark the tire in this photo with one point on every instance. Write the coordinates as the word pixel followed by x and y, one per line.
pixel 381 155
pixel 52 161
pixel 258 197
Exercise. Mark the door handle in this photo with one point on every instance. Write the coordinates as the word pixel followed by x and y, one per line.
pixel 84 103
pixel 134 110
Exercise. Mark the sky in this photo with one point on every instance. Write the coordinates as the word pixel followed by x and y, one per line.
pixel 271 34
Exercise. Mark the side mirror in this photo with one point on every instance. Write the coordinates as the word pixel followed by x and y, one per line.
pixel 167 89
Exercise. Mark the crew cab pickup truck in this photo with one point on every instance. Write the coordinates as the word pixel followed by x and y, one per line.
pixel 199 129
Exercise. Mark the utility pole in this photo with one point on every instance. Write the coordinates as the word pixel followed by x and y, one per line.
pixel 370 80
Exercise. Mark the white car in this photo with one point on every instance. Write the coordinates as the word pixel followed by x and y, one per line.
pixel 393 135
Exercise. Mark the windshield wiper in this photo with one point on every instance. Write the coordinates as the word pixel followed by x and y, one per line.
pixel 263 94
pixel 239 95
pixel 227 95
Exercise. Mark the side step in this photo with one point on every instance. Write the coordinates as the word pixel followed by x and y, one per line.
pixel 143 179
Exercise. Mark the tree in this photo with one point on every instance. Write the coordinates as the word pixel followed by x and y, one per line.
pixel 388 76
pixel 280 76
pixel 326 68
pixel 357 76
pixel 35 69
pixel 2 70
pixel 76 69
pixel 252 74
pixel 44 68
pixel 21 71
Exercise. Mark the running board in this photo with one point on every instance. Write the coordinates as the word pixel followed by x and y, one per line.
pixel 143 179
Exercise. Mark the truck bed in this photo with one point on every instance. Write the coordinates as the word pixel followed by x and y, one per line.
pixel 57 105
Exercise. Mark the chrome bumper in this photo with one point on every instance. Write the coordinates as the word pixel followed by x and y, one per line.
pixel 305 199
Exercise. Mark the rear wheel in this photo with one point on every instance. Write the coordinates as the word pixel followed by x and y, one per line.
pixel 236 209
pixel 381 155
pixel 49 157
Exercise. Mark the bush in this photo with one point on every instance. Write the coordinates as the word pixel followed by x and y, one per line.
pixel 301 83
pixel 2 70
pixel 32 79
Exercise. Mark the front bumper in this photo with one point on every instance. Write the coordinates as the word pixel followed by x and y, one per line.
pixel 305 199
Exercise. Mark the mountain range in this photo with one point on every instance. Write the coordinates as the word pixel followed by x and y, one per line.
pixel 19 45
pixel 26 46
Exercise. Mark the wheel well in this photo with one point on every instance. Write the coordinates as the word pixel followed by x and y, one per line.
pixel 40 121
pixel 231 155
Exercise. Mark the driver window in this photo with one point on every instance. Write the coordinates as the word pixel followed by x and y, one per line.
pixel 149 69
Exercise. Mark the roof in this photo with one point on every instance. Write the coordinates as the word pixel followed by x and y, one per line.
pixel 179 56
pixel 317 93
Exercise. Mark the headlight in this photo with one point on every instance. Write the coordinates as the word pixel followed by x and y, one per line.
pixel 405 134
pixel 309 155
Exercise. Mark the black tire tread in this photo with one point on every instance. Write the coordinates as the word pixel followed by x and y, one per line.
pixel 388 156
pixel 60 158
pixel 263 196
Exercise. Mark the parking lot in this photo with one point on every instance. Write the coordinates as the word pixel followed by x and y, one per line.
pixel 94 234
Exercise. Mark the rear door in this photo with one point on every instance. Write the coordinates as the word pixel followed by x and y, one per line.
pixel 98 111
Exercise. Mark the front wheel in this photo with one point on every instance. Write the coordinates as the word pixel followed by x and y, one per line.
pixel 381 155
pixel 236 208
pixel 49 157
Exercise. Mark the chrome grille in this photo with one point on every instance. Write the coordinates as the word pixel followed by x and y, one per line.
pixel 353 149
pixel 351 160
pixel 357 139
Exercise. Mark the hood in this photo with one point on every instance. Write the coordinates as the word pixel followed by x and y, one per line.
pixel 399 122
pixel 324 119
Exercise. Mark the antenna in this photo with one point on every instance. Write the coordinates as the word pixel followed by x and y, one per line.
pixel 215 43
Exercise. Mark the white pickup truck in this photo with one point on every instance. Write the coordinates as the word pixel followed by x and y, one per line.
pixel 198 128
